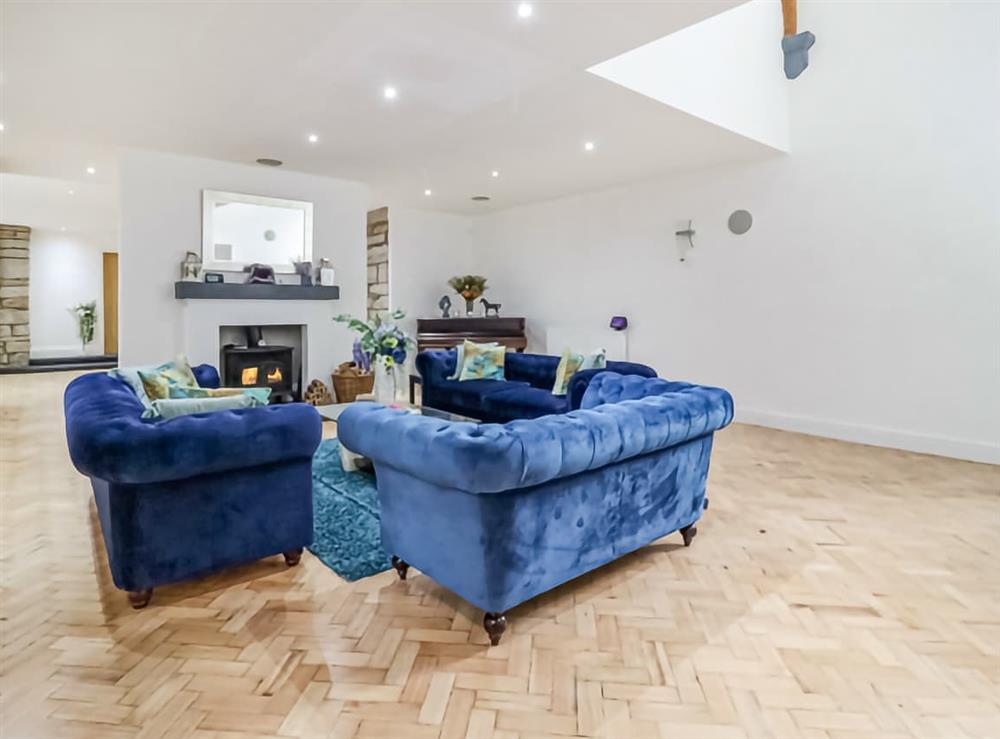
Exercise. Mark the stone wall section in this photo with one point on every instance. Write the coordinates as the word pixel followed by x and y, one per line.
pixel 15 339
pixel 378 262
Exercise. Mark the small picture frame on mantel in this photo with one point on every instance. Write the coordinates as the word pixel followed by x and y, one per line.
pixel 215 278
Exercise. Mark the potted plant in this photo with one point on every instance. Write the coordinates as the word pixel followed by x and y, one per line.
pixel 382 347
pixel 469 287
pixel 86 322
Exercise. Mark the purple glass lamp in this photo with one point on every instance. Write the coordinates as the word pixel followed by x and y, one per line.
pixel 619 323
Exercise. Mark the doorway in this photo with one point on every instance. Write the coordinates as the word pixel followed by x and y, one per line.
pixel 111 303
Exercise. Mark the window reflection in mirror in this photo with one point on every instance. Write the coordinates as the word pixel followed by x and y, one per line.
pixel 245 229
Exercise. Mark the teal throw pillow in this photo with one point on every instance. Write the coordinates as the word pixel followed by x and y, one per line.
pixel 174 407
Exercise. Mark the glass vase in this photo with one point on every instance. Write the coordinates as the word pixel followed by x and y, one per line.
pixel 470 307
pixel 385 381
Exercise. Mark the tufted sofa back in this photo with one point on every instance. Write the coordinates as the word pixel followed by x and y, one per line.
pixel 611 387
pixel 490 458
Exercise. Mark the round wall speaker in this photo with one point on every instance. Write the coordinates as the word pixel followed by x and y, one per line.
pixel 740 221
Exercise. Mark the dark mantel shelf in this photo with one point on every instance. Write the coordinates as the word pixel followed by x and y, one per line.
pixel 242 291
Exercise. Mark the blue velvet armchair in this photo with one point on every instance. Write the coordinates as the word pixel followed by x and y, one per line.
pixel 501 513
pixel 191 495
pixel 525 393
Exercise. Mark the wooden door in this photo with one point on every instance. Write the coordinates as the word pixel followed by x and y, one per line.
pixel 110 302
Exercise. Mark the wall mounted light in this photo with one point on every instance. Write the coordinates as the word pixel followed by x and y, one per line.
pixel 685 235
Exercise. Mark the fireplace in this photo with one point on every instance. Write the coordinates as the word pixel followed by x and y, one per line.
pixel 258 364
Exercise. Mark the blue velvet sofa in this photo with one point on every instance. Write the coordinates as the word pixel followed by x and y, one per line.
pixel 526 392
pixel 187 496
pixel 501 513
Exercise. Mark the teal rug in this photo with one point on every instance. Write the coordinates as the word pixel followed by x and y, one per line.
pixel 346 535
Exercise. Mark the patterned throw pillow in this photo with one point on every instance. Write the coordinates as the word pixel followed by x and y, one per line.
pixel 569 363
pixel 178 371
pixel 460 359
pixel 597 359
pixel 173 385
pixel 180 392
pixel 482 362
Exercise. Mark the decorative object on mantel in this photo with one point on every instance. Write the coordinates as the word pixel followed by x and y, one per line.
pixel 86 321
pixel 304 271
pixel 351 380
pixel 469 287
pixel 191 267
pixel 214 278
pixel 444 305
pixel 259 274
pixel 326 274
pixel 488 306
pixel 386 346
pixel 318 394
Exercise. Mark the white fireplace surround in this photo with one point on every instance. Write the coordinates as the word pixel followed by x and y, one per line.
pixel 321 351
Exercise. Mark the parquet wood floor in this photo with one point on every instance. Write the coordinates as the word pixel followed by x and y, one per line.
pixel 835 591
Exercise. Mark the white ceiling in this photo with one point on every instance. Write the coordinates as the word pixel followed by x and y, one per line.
pixel 479 90
pixel 48 204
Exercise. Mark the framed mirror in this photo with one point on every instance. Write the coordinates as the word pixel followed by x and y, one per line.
pixel 238 230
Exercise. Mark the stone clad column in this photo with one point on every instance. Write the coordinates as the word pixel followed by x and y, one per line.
pixel 15 339
pixel 378 261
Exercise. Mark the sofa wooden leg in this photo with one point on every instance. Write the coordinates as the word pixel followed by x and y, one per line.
pixel 495 624
pixel 140 598
pixel 689 532
pixel 292 556
pixel 401 567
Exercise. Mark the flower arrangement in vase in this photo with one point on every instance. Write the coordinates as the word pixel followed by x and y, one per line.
pixel 469 287
pixel 381 347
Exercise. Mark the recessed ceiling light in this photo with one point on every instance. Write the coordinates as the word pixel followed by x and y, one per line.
pixel 91 170
pixel 270 162
pixel 390 92
pixel 72 192
pixel 589 146
pixel 1 127
pixel 495 173
pixel 524 10
pixel 313 138
pixel 62 228
pixel 427 193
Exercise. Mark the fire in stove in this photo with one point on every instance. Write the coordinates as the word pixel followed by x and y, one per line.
pixel 274 376
pixel 249 376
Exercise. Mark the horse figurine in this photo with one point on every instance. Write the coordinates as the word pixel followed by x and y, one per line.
pixel 444 304
pixel 488 306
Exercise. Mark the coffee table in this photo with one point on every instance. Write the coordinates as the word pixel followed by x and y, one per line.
pixel 332 412
pixel 349 459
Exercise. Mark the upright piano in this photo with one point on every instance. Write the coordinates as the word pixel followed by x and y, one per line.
pixel 444 333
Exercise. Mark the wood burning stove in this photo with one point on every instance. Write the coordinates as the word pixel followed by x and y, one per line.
pixel 260 366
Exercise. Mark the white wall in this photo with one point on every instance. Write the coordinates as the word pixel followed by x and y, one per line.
pixel 426 249
pixel 161 220
pixel 66 270
pixel 863 304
